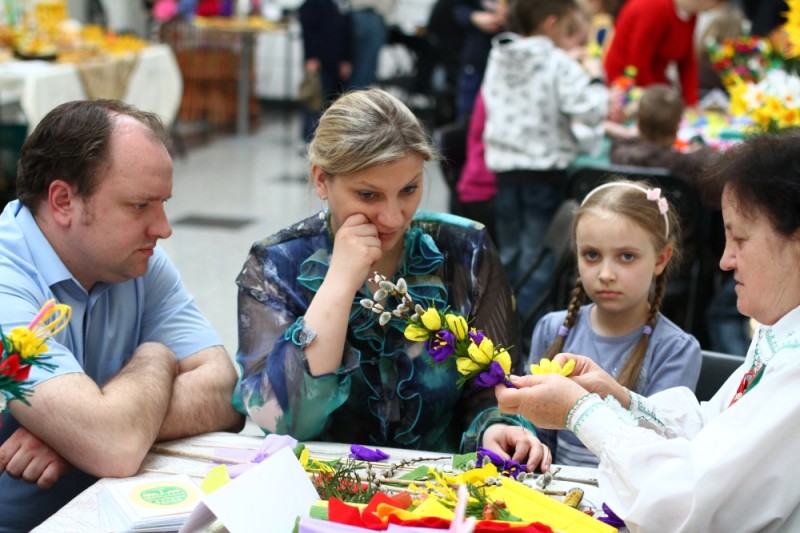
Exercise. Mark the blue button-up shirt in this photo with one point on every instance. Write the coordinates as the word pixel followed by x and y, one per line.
pixel 107 325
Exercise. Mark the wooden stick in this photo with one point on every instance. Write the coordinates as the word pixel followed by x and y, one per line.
pixel 169 472
pixel 589 481
pixel 197 456
pixel 229 445
pixel 552 492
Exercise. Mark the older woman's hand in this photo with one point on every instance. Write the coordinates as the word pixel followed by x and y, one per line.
pixel 591 377
pixel 519 444
pixel 543 399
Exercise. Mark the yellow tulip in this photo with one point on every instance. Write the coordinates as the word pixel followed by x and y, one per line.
pixel 467 366
pixel 458 325
pixel 416 333
pixel 481 354
pixel 431 319
pixel 504 359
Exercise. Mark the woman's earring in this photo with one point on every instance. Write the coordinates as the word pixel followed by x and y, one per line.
pixel 324 213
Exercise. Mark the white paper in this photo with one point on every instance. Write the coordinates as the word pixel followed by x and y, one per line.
pixel 272 494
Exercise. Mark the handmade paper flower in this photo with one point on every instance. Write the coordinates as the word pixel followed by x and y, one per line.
pixel 367 454
pixel 546 366
pixel 508 467
pixel 431 319
pixel 494 376
pixel 481 349
pixel 446 335
pixel 441 346
pixel 23 348
pixel 458 325
pixel 416 333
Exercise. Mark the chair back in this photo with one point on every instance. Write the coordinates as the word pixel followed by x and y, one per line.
pixel 687 293
pixel 556 243
pixel 716 368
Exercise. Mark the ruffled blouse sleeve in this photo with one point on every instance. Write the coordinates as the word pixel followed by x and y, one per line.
pixel 275 389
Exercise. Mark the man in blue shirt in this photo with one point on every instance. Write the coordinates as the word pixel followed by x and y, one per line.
pixel 138 363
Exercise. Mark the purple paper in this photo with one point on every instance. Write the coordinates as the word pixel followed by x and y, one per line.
pixel 491 377
pixel 243 460
pixel 441 346
pixel 235 455
pixel 477 337
pixel 366 454
pixel 509 467
pixel 611 518
pixel 273 443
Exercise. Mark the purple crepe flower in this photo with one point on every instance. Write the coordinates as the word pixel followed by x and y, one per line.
pixel 441 346
pixel 509 467
pixel 363 453
pixel 476 336
pixel 491 377
pixel 611 518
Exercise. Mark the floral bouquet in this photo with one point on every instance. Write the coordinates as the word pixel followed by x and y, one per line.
pixel 23 348
pixel 445 335
pixel 744 58
pixel 773 103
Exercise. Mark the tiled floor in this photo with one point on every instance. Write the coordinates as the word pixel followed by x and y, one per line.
pixel 233 191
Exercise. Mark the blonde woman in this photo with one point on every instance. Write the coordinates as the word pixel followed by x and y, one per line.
pixel 318 365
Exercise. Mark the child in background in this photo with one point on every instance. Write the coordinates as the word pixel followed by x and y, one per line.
pixel 650 34
pixel 601 14
pixel 477 185
pixel 625 238
pixel 659 116
pixel 533 91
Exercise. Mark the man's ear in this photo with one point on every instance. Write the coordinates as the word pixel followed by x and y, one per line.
pixel 320 179
pixel 61 202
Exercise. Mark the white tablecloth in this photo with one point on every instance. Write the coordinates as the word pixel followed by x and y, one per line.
pixel 82 513
pixel 155 84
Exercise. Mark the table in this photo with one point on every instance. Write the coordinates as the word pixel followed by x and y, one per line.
pixel 245 29
pixel 155 84
pixel 82 514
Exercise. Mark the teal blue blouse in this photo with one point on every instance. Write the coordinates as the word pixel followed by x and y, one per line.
pixel 386 391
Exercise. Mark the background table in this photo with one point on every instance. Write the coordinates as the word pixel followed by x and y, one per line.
pixel 82 513
pixel 155 84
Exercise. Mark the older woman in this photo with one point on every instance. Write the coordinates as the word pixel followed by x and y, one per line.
pixel 318 365
pixel 668 463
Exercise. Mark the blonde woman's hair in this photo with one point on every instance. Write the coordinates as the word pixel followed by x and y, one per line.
pixel 633 204
pixel 365 128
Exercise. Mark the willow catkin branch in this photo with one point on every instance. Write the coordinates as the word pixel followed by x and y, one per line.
pixel 197 456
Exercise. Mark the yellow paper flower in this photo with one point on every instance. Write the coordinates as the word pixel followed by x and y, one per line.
pixel 504 359
pixel 467 366
pixel 26 343
pixel 458 325
pixel 416 333
pixel 546 366
pixel 483 353
pixel 431 319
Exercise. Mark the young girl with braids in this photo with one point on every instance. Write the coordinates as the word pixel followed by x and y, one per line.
pixel 625 237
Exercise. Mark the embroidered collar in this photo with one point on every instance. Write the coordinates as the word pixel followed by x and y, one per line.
pixel 421 258
pixel 769 342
